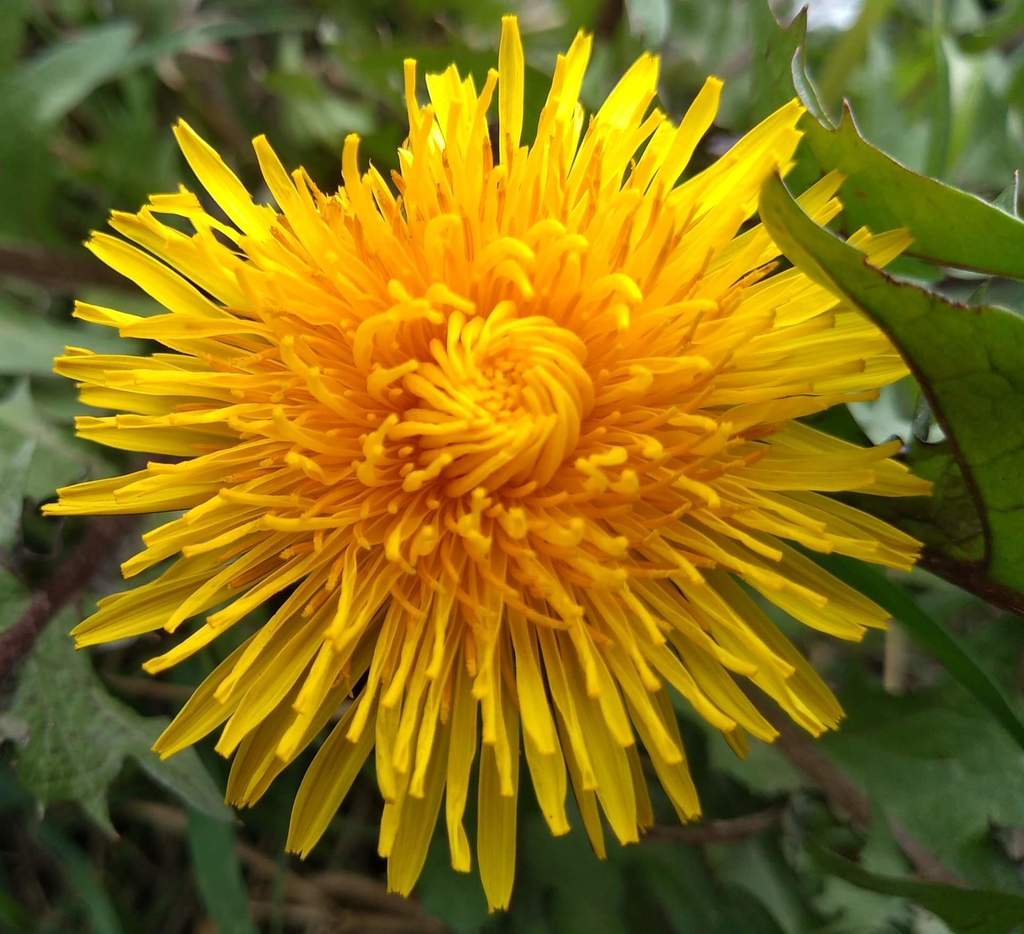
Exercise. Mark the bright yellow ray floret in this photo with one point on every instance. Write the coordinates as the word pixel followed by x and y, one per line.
pixel 513 438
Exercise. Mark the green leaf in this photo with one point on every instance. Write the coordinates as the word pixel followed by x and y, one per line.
pixel 12 31
pixel 456 898
pixel 849 50
pixel 28 342
pixel 649 20
pixel 254 23
pixel 940 130
pixel 34 97
pixel 312 112
pixel 771 71
pixel 575 889
pixel 969 362
pixel 758 866
pixel 675 885
pixel 966 911
pixel 82 877
pixel 79 736
pixel 947 522
pixel 56 459
pixel 1009 198
pixel 850 909
pixel 778 67
pixel 880 192
pixel 931 636
pixel 764 769
pixel 939 762
pixel 1005 25
pixel 218 874
pixel 777 73
pixel 14 467
pixel 48 86
pixel 14 599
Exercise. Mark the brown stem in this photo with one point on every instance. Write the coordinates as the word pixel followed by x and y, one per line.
pixel 845 796
pixel 56 270
pixel 73 575
pixel 974 577
pixel 318 893
pixel 338 921
pixel 609 18
pixel 728 830
pixel 148 688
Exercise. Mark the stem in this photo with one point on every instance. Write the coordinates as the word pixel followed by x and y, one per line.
pixel 73 575
pixel 728 830
pixel 845 796
pixel 321 891
pixel 56 270
pixel 896 664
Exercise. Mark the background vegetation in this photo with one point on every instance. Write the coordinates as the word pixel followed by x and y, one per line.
pixel 909 819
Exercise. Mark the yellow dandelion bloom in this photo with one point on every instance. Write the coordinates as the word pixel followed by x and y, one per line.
pixel 510 438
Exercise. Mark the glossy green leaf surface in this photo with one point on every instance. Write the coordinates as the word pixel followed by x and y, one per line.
pixel 880 192
pixel 967 911
pixel 930 636
pixel 968 360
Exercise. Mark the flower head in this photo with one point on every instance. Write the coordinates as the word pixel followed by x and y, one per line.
pixel 508 441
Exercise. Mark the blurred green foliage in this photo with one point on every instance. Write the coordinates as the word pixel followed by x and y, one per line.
pixel 88 91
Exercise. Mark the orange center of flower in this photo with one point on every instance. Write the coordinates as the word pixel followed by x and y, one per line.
pixel 495 403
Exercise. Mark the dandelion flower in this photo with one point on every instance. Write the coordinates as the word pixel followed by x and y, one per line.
pixel 508 443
